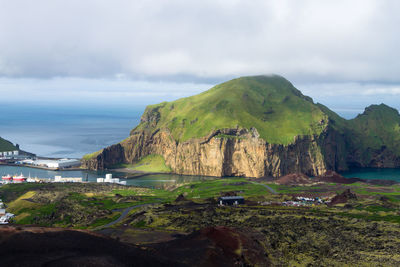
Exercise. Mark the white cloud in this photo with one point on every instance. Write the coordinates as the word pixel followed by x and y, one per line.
pixel 333 40
pixel 117 91
pixel 383 91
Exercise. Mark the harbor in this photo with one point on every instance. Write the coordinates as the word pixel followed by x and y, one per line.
pixel 147 180
pixel 15 179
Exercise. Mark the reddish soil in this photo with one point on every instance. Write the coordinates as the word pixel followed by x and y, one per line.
pixel 216 246
pixel 343 197
pixel 294 179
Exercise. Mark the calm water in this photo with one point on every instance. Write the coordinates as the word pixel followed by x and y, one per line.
pixel 374 173
pixel 66 131
pixel 154 181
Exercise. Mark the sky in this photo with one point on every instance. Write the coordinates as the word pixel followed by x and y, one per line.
pixel 343 53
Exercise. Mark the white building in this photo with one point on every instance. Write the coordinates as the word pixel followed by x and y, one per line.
pixel 9 153
pixel 64 163
pixel 111 180
pixel 56 164
pixel 59 179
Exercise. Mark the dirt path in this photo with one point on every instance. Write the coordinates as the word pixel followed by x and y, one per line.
pixel 123 215
pixel 270 189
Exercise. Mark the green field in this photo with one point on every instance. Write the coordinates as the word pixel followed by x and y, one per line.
pixel 151 163
pixel 78 206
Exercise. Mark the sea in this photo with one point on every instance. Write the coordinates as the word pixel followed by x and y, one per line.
pixel 71 131
pixel 66 131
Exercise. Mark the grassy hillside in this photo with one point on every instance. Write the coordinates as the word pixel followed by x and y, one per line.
pixel 151 163
pixel 377 127
pixel 6 145
pixel 269 103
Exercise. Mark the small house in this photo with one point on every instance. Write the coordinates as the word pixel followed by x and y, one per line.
pixel 231 200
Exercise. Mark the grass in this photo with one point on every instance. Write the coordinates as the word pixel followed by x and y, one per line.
pixel 378 126
pixel 213 188
pixel 269 103
pixel 150 163
pixel 92 155
pixel 6 145
pixel 22 203
pixel 95 206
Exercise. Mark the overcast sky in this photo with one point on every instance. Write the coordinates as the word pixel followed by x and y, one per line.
pixel 143 51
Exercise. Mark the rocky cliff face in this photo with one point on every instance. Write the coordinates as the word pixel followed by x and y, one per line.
pixel 229 152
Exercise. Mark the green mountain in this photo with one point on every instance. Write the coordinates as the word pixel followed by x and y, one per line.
pixel 6 145
pixel 268 103
pixel 256 126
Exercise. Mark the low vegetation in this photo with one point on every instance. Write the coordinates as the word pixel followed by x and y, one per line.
pixel 6 145
pixel 363 230
pixel 152 163
pixel 92 155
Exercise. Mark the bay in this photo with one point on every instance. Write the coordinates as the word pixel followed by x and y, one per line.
pixel 373 173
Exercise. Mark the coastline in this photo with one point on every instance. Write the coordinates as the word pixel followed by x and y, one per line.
pixel 44 168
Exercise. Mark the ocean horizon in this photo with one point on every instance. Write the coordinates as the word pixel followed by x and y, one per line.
pixel 66 131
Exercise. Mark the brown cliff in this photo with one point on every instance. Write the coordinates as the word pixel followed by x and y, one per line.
pixel 239 152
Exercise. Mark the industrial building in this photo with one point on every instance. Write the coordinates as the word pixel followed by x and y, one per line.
pixel 111 180
pixel 53 164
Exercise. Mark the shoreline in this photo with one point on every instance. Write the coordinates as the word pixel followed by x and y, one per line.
pixel 43 168
pixel 135 174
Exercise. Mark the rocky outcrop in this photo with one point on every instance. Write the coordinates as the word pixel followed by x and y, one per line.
pixel 229 152
pixel 344 197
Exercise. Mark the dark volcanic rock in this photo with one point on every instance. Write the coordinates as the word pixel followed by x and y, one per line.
pixel 58 247
pixel 333 177
pixel 180 198
pixel 216 246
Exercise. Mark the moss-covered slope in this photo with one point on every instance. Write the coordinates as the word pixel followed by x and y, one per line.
pixel 268 103
pixel 6 145
pixel 374 137
pixel 378 126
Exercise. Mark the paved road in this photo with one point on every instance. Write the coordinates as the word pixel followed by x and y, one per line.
pixel 123 215
pixel 270 189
